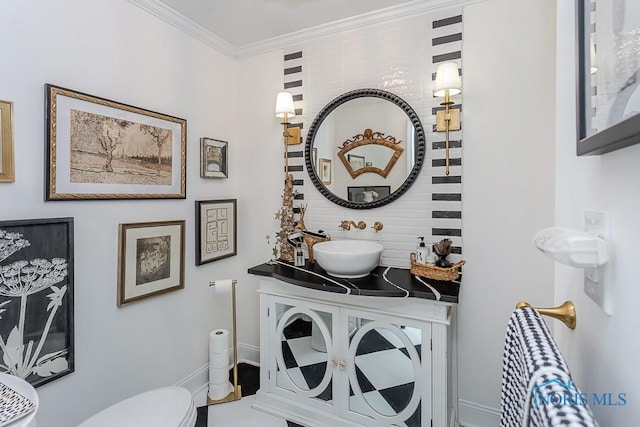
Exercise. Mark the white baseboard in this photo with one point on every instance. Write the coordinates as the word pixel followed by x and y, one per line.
pixel 198 381
pixel 476 415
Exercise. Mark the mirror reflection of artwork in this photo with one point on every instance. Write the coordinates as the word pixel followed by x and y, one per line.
pixel 325 171
pixel 153 259
pixel 356 162
pixel 382 151
pixel 368 194
pixel 213 158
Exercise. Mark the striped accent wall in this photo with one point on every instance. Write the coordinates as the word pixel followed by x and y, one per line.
pixel 399 56
pixel 446 195
pixel 293 73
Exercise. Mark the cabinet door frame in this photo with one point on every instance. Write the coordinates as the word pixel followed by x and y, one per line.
pixel 310 309
pixel 422 372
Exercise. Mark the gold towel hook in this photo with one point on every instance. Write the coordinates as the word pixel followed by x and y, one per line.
pixel 566 312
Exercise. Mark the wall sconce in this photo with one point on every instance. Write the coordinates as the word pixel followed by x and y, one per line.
pixel 447 83
pixel 286 111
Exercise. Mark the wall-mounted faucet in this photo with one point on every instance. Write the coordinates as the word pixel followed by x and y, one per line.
pixel 346 225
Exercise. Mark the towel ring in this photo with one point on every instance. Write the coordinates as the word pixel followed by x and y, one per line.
pixel 566 312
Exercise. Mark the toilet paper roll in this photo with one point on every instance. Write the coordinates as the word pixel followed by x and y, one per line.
pixel 223 286
pixel 218 391
pixel 219 360
pixel 218 341
pixel 218 375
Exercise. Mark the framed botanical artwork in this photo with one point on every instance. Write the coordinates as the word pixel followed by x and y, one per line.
pixel 6 142
pixel 608 75
pixel 216 230
pixel 101 149
pixel 325 171
pixel 36 299
pixel 213 158
pixel 150 259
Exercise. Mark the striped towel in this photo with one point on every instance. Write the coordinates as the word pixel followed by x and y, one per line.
pixel 537 389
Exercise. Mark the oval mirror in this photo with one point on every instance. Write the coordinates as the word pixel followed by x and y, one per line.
pixel 365 148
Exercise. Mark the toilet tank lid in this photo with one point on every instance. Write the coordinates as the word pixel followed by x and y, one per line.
pixel 167 406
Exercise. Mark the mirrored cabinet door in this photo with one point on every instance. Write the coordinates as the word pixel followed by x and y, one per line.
pixel 303 350
pixel 390 371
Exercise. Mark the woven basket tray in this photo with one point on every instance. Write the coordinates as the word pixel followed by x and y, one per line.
pixel 433 272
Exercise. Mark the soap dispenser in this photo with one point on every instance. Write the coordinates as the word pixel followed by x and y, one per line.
pixel 421 252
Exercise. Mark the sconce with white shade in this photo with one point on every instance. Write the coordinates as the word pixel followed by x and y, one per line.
pixel 285 110
pixel 447 84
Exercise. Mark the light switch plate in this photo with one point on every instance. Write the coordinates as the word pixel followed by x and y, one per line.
pixel 598 283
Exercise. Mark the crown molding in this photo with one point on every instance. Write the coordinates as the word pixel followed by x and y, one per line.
pixel 172 17
pixel 386 14
pixel 169 15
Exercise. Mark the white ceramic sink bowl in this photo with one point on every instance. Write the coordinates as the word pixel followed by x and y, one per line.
pixel 347 258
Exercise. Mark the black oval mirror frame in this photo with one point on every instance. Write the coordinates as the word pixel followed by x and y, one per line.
pixel 419 149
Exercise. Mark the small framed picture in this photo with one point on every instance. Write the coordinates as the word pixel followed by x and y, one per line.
pixel 6 142
pixel 216 230
pixel 325 171
pixel 150 259
pixel 213 158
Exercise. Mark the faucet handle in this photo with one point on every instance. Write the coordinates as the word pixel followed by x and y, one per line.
pixel 377 226
pixel 361 225
pixel 345 225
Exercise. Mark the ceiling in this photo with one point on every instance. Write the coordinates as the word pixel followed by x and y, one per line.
pixel 245 22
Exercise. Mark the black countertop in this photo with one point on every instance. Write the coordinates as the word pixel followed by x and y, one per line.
pixel 382 282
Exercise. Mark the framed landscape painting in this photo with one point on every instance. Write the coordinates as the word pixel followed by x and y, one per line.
pixel 101 149
pixel 150 259
pixel 36 299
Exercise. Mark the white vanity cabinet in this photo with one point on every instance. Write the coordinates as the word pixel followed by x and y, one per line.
pixel 330 359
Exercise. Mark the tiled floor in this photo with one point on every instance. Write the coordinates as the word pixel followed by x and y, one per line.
pixel 227 414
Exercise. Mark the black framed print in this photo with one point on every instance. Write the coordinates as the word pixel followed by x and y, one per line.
pixel 36 299
pixel 216 230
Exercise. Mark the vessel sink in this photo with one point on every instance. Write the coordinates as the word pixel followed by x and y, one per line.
pixel 348 258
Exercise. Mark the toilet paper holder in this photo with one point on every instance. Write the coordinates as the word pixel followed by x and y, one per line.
pixel 236 394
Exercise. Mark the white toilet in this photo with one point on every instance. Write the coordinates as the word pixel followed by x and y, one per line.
pixel 162 407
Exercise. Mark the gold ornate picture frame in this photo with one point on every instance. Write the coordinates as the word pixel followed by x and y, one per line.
pixel 101 149
pixel 150 259
pixel 7 172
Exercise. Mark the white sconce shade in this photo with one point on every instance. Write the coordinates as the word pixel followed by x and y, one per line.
pixel 284 105
pixel 447 78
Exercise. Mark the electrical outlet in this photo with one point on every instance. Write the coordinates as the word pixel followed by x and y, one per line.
pixel 597 280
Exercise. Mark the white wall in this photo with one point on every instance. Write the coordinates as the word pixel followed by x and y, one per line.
pixel 117 51
pixel 602 350
pixel 508 66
